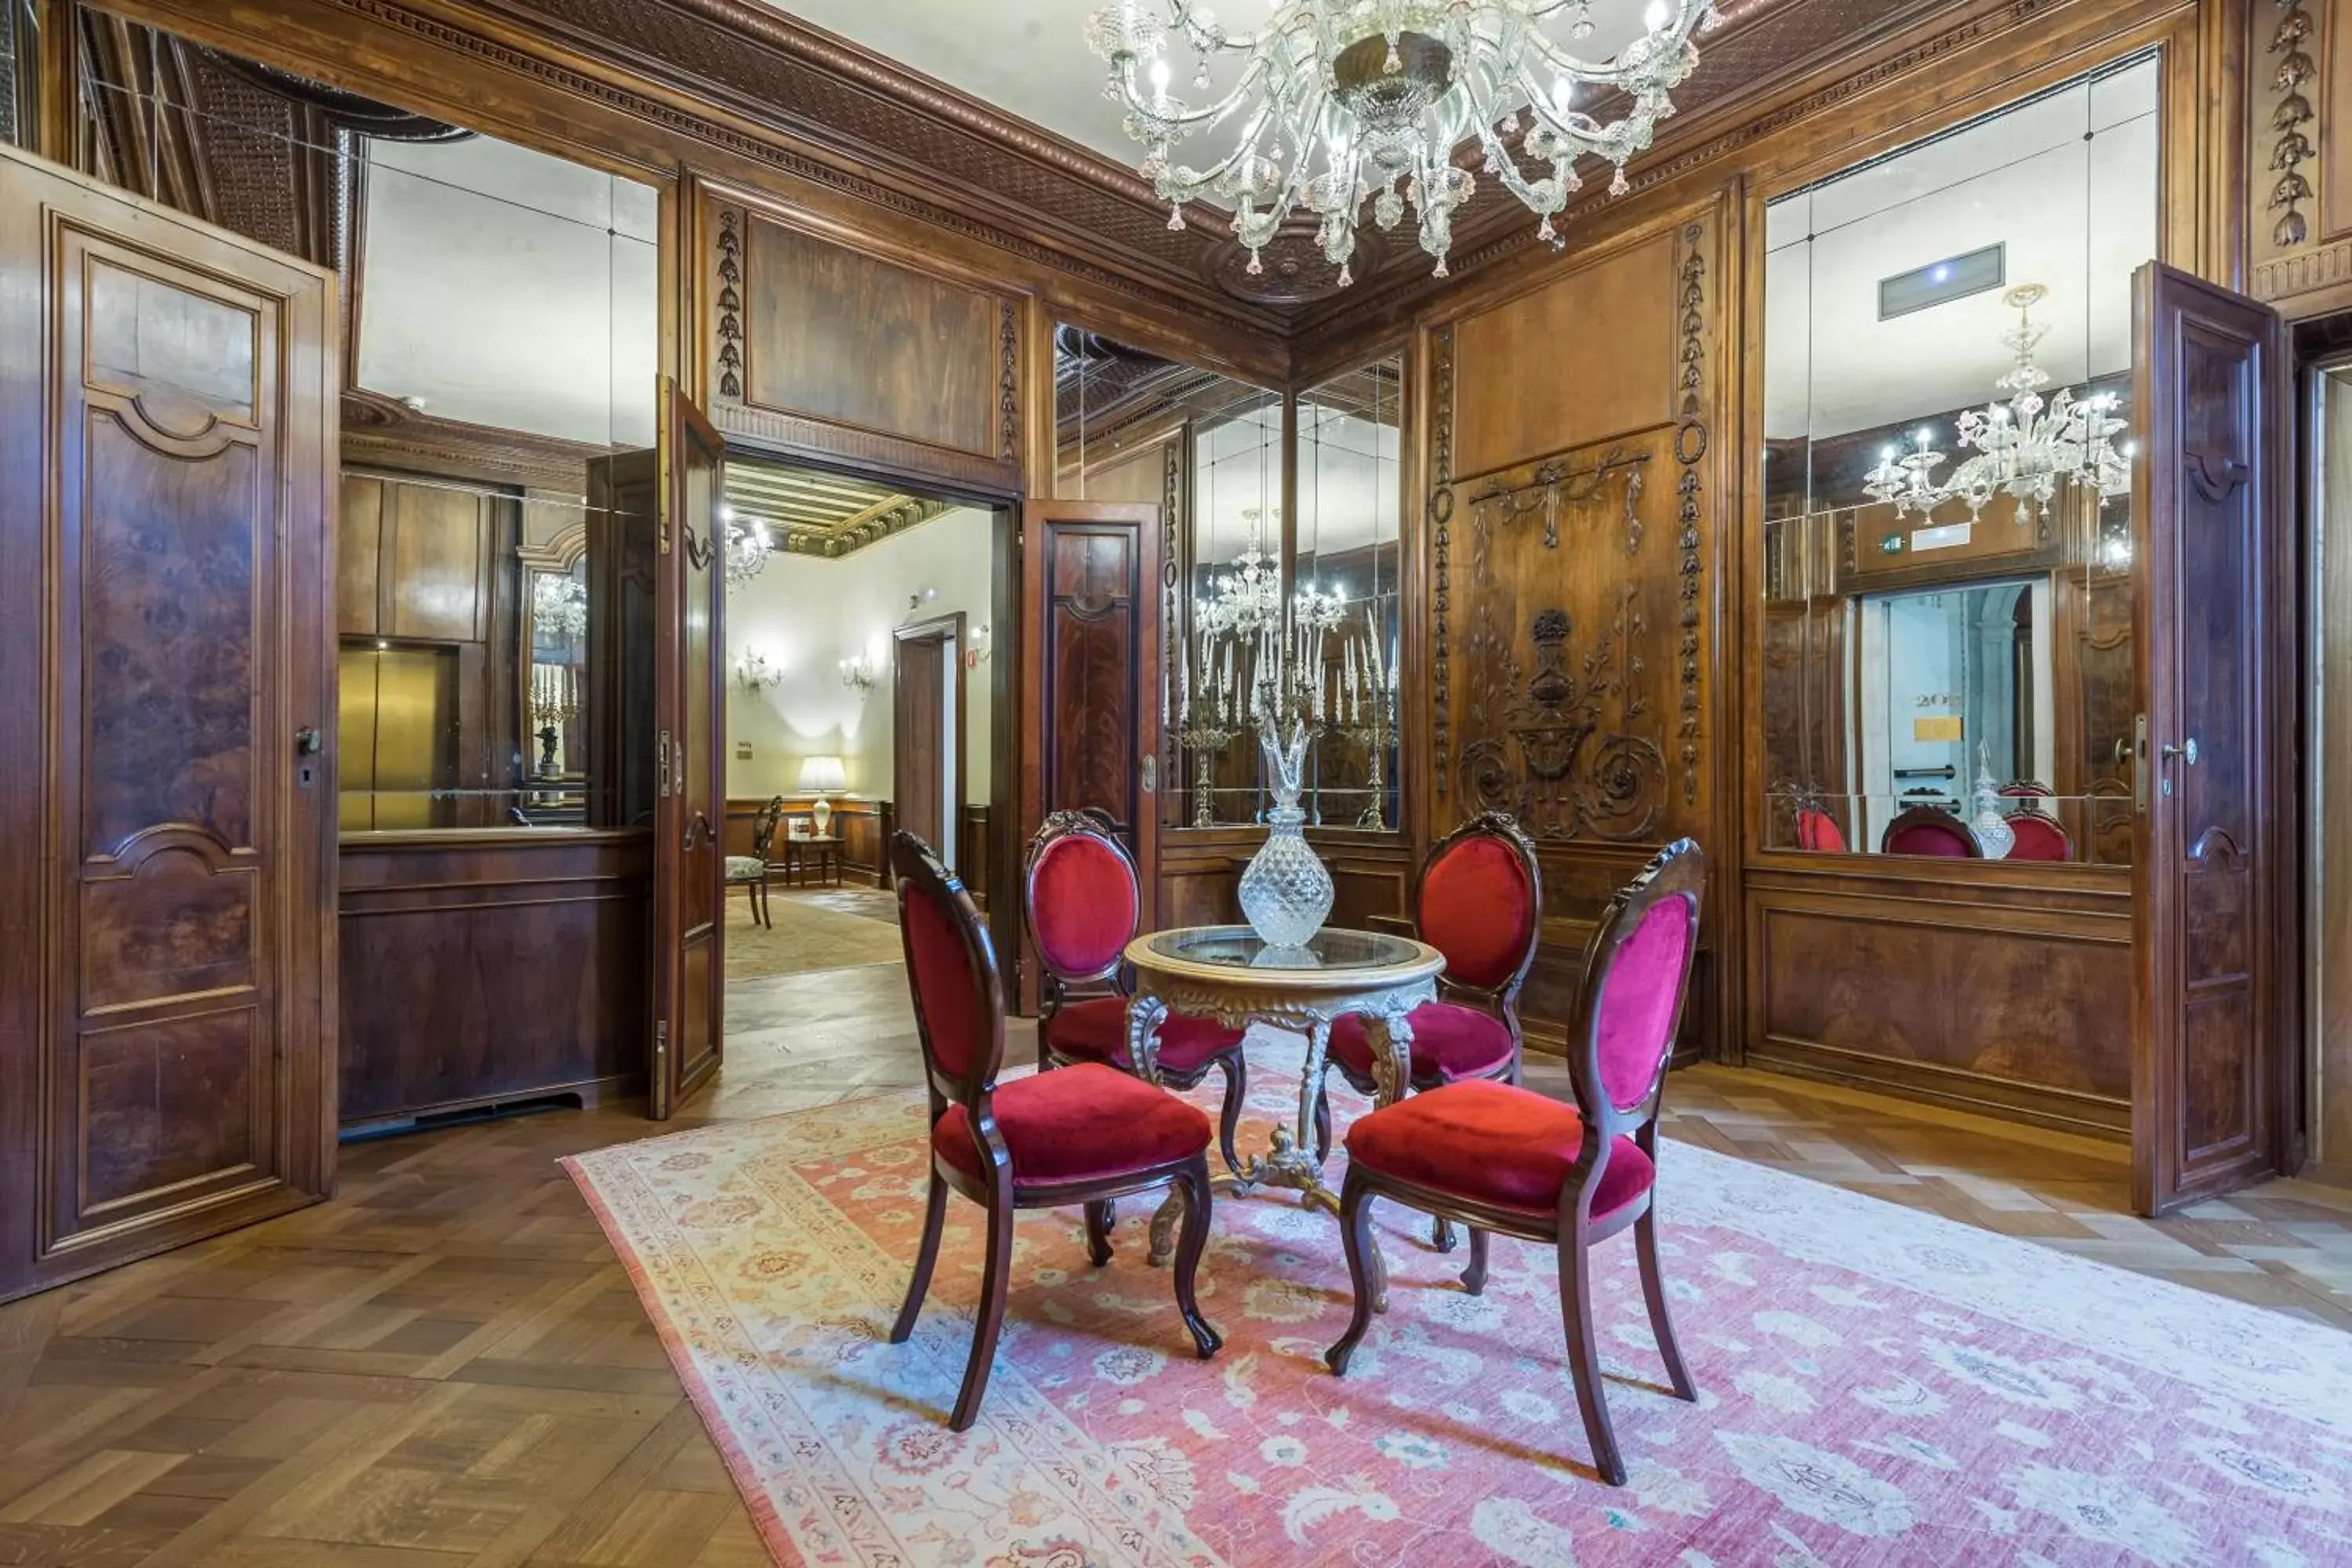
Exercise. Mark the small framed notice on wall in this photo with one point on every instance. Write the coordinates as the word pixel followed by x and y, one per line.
pixel 1937 727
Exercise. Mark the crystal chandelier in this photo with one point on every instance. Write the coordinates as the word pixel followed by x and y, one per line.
pixel 1382 93
pixel 748 548
pixel 559 608
pixel 1247 599
pixel 2025 447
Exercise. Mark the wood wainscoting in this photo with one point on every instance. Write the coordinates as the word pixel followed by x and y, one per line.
pixel 864 826
pixel 481 969
pixel 2010 992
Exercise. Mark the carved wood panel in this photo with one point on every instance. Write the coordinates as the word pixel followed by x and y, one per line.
pixel 2299 167
pixel 169 1065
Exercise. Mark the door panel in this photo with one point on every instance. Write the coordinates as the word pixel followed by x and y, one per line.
pixel 2214 869
pixel 165 633
pixel 1091 709
pixel 689 869
pixel 917 705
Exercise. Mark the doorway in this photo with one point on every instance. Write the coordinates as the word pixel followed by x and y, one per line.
pixel 926 731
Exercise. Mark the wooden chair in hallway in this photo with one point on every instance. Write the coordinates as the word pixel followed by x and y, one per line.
pixel 1497 1157
pixel 749 872
pixel 1084 1135
pixel 1081 902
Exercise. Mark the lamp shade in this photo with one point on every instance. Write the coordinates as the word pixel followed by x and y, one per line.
pixel 821 775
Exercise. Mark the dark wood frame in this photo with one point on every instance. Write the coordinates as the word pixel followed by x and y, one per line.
pixel 1677 871
pixel 947 628
pixel 1056 986
pixel 920 874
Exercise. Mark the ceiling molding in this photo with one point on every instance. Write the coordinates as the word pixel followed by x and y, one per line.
pixel 808 511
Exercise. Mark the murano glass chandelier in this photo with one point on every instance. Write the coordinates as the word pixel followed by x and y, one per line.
pixel 2025 447
pixel 1341 102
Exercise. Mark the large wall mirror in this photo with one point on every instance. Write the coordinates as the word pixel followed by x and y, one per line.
pixel 1948 588
pixel 501 335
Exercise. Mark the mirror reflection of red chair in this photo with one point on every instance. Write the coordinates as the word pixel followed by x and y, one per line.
pixel 2039 837
pixel 1499 1158
pixel 1084 1135
pixel 1479 902
pixel 1081 901
pixel 1819 831
pixel 1929 830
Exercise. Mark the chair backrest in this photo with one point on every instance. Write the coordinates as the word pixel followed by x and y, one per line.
pixel 1819 830
pixel 1479 902
pixel 951 971
pixel 2026 789
pixel 2039 837
pixel 1080 897
pixel 1630 1007
pixel 764 827
pixel 1929 830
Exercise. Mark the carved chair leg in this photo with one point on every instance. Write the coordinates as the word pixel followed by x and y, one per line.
pixel 767 914
pixel 1194 1184
pixel 1441 1232
pixel 1323 1120
pixel 1356 1238
pixel 1474 1278
pixel 1098 1232
pixel 1229 1119
pixel 935 1214
pixel 1653 1291
pixel 995 1279
pixel 1584 1358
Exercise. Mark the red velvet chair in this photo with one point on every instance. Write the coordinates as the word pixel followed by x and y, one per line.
pixel 1500 1158
pixel 2039 837
pixel 1929 830
pixel 1819 831
pixel 1479 902
pixel 1086 1135
pixel 1080 899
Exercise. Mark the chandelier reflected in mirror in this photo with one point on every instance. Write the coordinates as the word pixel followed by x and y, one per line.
pixel 2025 446
pixel 1341 102
pixel 748 547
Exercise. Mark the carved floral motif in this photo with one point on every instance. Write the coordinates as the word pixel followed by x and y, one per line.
pixel 730 303
pixel 1555 748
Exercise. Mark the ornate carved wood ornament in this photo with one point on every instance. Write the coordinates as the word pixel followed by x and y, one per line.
pixel 1008 382
pixel 1554 751
pixel 1556 483
pixel 730 303
pixel 2292 44
pixel 1691 391
pixel 1441 533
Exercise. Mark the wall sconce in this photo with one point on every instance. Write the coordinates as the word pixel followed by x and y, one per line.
pixel 754 673
pixel 983 643
pixel 859 673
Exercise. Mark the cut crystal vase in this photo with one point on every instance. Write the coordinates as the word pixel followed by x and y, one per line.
pixel 1285 891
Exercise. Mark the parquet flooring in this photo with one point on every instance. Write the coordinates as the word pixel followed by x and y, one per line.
pixel 445 1367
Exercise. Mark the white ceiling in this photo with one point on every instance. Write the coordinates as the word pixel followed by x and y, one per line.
pixel 1029 57
pixel 2068 183
pixel 507 288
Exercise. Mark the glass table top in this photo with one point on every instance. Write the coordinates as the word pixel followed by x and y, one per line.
pixel 1238 947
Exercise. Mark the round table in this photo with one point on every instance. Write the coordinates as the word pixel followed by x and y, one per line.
pixel 1228 974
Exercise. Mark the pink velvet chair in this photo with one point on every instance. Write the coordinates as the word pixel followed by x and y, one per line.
pixel 1500 1158
pixel 1479 902
pixel 1817 830
pixel 1081 902
pixel 1929 830
pixel 1086 1135
pixel 2038 836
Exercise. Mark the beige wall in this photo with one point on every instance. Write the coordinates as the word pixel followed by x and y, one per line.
pixel 806 614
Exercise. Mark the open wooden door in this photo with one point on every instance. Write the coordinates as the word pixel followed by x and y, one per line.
pixel 2214 876
pixel 1091 713
pixel 689 868
pixel 167 699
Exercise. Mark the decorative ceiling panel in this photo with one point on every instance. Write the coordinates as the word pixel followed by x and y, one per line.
pixel 806 512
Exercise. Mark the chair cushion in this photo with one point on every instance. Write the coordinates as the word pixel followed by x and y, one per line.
pixel 1094 1029
pixel 1078 1123
pixel 1478 909
pixel 2038 838
pixel 745 867
pixel 1082 905
pixel 1493 1143
pixel 1449 1041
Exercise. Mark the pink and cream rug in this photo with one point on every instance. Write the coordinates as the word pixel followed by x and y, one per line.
pixel 1878 1385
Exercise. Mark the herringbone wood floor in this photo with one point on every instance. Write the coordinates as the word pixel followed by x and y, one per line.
pixel 445 1367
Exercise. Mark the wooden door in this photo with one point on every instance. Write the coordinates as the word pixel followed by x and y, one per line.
pixel 689 868
pixel 1091 704
pixel 927 738
pixel 167 699
pixel 2215 878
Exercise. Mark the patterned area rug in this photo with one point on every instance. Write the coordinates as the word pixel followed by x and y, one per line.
pixel 808 934
pixel 1877 1385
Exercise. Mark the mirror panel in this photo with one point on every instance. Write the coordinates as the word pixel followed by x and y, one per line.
pixel 1947 639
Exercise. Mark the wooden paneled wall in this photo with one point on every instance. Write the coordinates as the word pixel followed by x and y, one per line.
pixel 485 968
pixel 864 828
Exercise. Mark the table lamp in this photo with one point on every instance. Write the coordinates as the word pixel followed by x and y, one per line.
pixel 819 776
